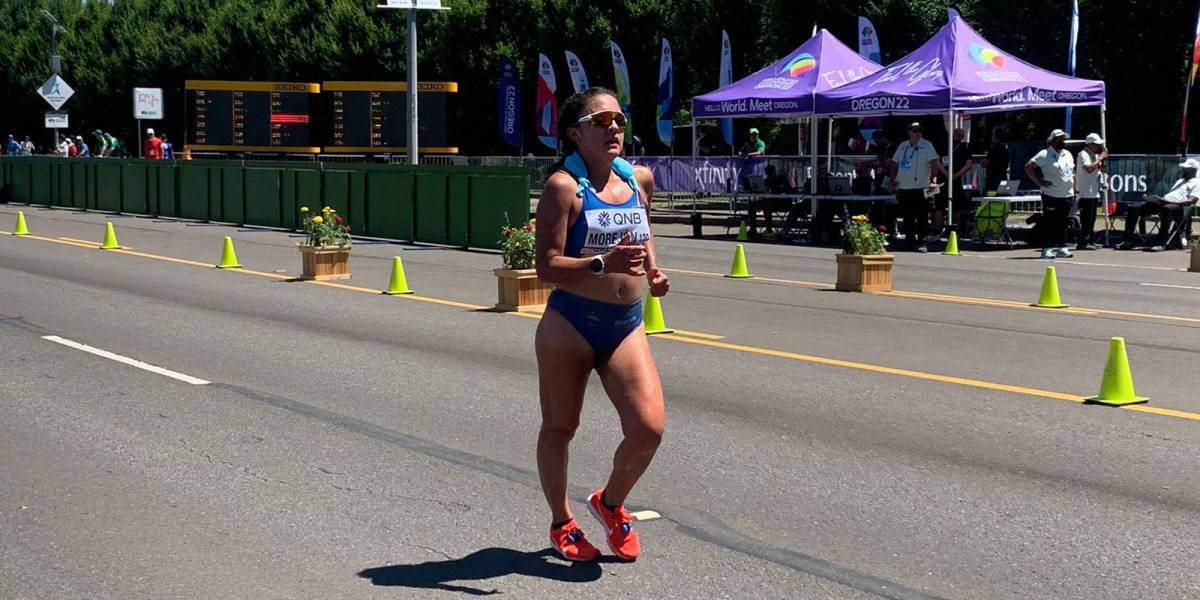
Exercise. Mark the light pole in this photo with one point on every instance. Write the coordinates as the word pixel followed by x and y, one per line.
pixel 55 59
pixel 412 6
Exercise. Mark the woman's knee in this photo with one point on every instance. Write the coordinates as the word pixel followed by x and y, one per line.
pixel 645 434
pixel 562 430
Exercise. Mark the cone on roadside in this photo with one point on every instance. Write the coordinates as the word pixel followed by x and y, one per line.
pixel 228 256
pixel 110 237
pixel 398 284
pixel 738 269
pixel 21 229
pixel 1116 387
pixel 743 232
pixel 952 245
pixel 1049 297
pixel 653 316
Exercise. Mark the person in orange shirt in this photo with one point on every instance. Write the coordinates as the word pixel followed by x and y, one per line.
pixel 152 147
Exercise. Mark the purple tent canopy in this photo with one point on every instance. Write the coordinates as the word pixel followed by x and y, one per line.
pixel 786 88
pixel 957 70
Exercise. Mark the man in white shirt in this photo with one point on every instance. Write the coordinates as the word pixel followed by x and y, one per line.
pixel 1057 180
pixel 1169 207
pixel 913 166
pixel 1089 175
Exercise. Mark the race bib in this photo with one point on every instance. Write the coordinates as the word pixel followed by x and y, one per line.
pixel 606 226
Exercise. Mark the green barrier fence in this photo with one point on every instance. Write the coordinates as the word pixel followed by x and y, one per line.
pixel 459 206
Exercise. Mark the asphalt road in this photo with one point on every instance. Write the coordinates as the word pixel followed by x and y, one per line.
pixel 927 444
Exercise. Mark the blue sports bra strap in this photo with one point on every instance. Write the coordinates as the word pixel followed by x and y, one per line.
pixel 576 168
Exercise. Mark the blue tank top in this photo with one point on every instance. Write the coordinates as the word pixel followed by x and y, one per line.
pixel 600 225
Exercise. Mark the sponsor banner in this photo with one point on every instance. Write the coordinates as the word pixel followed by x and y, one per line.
pixel 509 104
pixel 748 106
pixel 665 111
pixel 547 104
pixel 579 79
pixel 726 79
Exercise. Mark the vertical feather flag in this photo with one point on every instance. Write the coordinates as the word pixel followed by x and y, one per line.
pixel 1071 55
pixel 726 79
pixel 665 113
pixel 547 104
pixel 621 74
pixel 509 104
pixel 578 76
pixel 1187 94
pixel 868 42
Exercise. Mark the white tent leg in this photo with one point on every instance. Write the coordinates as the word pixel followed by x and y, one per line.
pixel 813 127
pixel 1104 200
pixel 950 177
pixel 695 185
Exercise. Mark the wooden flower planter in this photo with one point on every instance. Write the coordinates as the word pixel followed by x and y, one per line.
pixel 1195 266
pixel 325 262
pixel 520 290
pixel 864 273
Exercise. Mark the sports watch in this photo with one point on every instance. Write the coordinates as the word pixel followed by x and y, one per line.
pixel 596 266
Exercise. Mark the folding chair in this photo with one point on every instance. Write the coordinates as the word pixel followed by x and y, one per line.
pixel 991 219
pixel 1183 231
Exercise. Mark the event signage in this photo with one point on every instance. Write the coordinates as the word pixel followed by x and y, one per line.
pixel 787 87
pixel 624 94
pixel 547 104
pixel 726 78
pixel 868 43
pixel 509 104
pixel 55 91
pixel 579 79
pixel 957 69
pixel 665 110
pixel 147 103
pixel 57 120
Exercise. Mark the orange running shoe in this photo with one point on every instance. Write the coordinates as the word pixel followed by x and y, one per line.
pixel 570 544
pixel 618 525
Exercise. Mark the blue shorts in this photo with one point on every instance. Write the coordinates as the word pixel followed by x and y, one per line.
pixel 602 324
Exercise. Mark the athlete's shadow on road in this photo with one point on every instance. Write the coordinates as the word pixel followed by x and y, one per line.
pixel 484 564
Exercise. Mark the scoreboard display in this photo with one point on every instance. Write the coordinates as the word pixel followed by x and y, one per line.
pixel 251 116
pixel 372 116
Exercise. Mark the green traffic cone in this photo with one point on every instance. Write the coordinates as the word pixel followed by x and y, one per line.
pixel 738 270
pixel 110 237
pixel 398 284
pixel 952 245
pixel 1049 297
pixel 1116 386
pixel 653 316
pixel 228 256
pixel 21 229
pixel 743 232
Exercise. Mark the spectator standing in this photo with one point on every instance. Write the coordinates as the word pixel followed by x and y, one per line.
pixel 152 147
pixel 71 149
pixel 1089 173
pixel 1057 180
pixel 168 149
pixel 63 148
pixel 13 147
pixel 84 151
pixel 998 157
pixel 101 149
pixel 915 163
pixel 755 146
pixel 963 163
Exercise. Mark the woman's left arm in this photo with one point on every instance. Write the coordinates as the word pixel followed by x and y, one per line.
pixel 659 284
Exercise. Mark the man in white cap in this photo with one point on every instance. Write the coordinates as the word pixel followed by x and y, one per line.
pixel 914 166
pixel 152 147
pixel 1057 180
pixel 1169 207
pixel 1089 185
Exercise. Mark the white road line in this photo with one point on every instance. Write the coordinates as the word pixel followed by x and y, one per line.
pixel 1167 285
pixel 126 360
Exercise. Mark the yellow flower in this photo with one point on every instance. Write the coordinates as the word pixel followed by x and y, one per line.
pixel 327 209
pixel 318 220
pixel 860 217
pixel 303 209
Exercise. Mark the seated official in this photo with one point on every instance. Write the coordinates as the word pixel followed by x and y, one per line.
pixel 775 184
pixel 1169 207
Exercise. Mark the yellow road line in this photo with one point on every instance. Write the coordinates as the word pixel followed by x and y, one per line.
pixel 89 245
pixel 696 338
pixel 877 368
pixel 1078 311
pixel 697 334
pixel 78 241
pixel 1168 412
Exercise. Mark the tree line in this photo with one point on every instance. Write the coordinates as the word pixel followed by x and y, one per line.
pixel 1140 48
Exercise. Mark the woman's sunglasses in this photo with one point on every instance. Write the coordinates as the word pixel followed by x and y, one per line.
pixel 604 119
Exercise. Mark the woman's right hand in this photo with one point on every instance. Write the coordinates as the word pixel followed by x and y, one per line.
pixel 625 259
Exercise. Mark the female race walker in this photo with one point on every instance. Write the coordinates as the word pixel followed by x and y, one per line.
pixel 594 244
